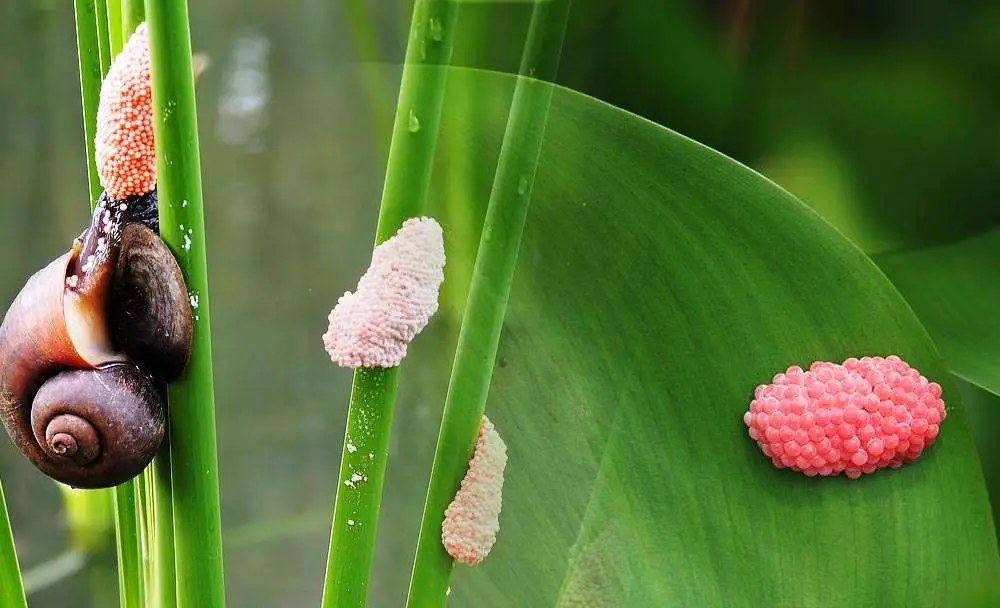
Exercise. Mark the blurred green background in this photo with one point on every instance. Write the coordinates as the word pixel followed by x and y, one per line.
pixel 882 116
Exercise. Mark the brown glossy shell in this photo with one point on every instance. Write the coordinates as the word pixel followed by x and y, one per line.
pixel 85 426
pixel 148 311
pixel 34 346
pixel 112 419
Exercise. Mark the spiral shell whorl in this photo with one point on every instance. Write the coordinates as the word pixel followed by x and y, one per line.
pixel 98 427
pixel 61 439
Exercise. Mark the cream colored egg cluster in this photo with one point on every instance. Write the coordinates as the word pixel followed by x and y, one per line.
pixel 472 520
pixel 124 144
pixel 847 418
pixel 394 301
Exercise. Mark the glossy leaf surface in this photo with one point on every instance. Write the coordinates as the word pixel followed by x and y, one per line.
pixel 658 283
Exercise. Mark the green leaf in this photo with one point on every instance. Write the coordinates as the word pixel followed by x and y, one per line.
pixel 984 414
pixel 954 291
pixel 11 587
pixel 658 283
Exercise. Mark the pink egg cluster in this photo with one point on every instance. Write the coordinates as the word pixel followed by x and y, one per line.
pixel 124 144
pixel 472 520
pixel 848 418
pixel 394 301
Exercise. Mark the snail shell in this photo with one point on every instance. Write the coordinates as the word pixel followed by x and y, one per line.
pixel 86 349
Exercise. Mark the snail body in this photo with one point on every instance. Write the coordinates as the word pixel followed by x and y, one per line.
pixel 87 347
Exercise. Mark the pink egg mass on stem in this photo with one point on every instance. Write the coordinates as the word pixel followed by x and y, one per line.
pixel 124 146
pixel 852 418
pixel 472 520
pixel 394 300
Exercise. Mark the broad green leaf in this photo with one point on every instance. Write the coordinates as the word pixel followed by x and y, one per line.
pixel 955 292
pixel 658 283
pixel 984 414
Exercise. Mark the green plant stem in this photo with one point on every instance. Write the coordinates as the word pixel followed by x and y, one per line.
pixel 359 490
pixel 418 114
pixel 103 37
pixel 486 306
pixel 95 50
pixel 404 194
pixel 154 493
pixel 193 453
pixel 11 587
pixel 164 582
pixel 150 519
pixel 116 30
pixel 133 13
pixel 88 49
pixel 130 578
pixel 142 517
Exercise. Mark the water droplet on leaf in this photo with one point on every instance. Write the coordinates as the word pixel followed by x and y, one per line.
pixel 522 185
pixel 437 30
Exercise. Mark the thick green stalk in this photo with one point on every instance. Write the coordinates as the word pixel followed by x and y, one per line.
pixel 153 492
pixel 130 576
pixel 103 36
pixel 193 454
pixel 142 515
pixel 88 49
pixel 496 260
pixel 164 583
pixel 116 29
pixel 133 13
pixel 418 114
pixel 11 587
pixel 94 51
pixel 369 418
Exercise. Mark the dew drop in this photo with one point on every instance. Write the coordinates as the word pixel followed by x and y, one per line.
pixel 437 30
pixel 522 185
pixel 414 123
